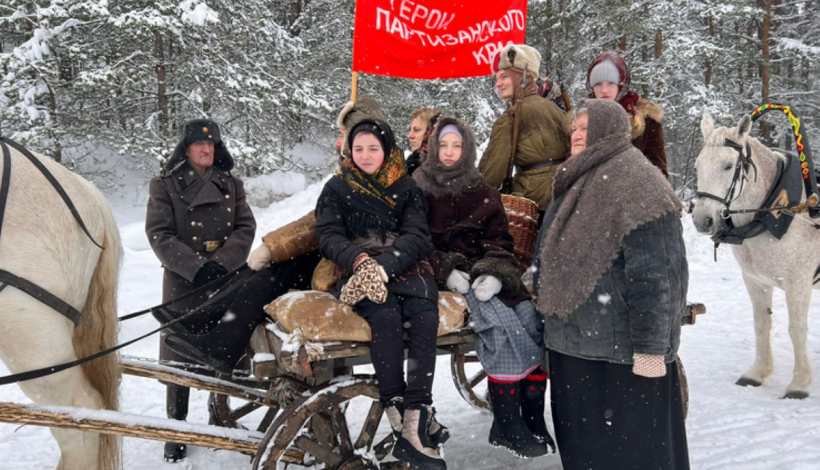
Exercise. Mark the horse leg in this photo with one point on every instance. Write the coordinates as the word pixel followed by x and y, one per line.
pixel 798 299
pixel 762 307
pixel 45 342
pixel 78 450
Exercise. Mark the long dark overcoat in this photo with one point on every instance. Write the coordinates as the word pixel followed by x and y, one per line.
pixel 190 222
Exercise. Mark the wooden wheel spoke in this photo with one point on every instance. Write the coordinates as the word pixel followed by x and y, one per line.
pixel 471 359
pixel 337 417
pixel 371 424
pixel 320 452
pixel 244 410
pixel 383 448
pixel 267 419
pixel 322 429
pixel 476 379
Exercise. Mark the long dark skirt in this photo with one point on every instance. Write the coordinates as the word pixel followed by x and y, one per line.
pixel 606 417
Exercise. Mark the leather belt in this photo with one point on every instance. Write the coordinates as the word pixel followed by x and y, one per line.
pixel 536 166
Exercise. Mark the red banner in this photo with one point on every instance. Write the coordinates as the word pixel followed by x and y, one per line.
pixel 433 38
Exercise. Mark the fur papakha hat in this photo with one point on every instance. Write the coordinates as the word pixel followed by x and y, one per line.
pixel 353 112
pixel 517 56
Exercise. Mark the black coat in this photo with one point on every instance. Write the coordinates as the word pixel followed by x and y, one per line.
pixel 401 251
pixel 471 233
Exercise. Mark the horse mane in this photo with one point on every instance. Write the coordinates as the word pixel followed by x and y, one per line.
pixel 720 134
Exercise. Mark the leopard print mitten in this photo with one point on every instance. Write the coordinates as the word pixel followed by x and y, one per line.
pixel 373 278
pixel 353 291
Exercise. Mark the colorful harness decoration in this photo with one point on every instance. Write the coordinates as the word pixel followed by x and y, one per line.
pixel 803 153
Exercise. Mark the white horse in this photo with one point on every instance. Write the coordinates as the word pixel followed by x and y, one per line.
pixel 789 263
pixel 41 242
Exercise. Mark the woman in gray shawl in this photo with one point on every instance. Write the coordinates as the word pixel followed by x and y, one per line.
pixel 612 280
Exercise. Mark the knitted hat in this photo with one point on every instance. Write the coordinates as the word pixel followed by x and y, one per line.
pixel 517 56
pixel 625 76
pixel 450 129
pixel 605 71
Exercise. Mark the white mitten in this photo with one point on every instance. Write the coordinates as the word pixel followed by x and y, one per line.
pixel 459 281
pixel 260 258
pixel 648 365
pixel 486 286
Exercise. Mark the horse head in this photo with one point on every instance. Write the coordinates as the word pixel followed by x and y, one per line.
pixel 727 170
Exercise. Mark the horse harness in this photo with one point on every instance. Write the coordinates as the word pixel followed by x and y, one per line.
pixel 785 193
pixel 9 279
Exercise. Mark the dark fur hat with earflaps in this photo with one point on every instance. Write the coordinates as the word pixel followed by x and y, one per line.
pixel 195 131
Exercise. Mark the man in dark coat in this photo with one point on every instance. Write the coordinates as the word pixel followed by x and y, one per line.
pixel 200 228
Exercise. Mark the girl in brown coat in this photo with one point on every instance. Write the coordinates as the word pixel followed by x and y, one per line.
pixel 472 245
pixel 608 78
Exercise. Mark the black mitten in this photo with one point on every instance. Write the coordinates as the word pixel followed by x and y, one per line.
pixel 208 273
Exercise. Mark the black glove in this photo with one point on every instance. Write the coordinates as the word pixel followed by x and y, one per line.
pixel 208 273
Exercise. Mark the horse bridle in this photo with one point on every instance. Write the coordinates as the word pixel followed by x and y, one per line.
pixel 742 165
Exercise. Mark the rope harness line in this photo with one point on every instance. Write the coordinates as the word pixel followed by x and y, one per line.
pixel 59 305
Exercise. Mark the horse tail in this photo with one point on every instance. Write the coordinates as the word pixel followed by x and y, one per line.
pixel 99 328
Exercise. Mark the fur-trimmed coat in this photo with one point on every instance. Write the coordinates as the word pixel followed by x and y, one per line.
pixel 470 233
pixel 647 133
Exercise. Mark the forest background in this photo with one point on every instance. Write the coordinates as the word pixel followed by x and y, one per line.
pixel 81 79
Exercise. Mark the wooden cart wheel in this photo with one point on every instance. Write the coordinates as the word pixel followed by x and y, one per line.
pixel 684 387
pixel 231 412
pixel 470 379
pixel 316 429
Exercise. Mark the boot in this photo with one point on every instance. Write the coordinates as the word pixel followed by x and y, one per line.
pixel 533 391
pixel 413 447
pixel 394 409
pixel 509 430
pixel 222 347
pixel 176 402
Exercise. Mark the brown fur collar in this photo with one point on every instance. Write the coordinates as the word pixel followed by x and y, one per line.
pixel 643 110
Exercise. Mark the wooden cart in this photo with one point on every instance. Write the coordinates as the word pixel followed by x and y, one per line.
pixel 302 398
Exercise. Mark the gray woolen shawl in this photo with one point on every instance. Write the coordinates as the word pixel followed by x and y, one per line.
pixel 610 190
pixel 438 180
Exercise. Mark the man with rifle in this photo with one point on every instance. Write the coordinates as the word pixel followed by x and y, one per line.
pixel 529 135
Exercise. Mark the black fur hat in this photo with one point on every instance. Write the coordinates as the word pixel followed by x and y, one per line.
pixel 195 131
pixel 198 130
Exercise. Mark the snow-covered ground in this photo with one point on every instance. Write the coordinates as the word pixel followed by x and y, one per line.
pixel 728 427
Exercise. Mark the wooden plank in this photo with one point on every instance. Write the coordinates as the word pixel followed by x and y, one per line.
pixel 300 365
pixel 119 424
pixel 192 380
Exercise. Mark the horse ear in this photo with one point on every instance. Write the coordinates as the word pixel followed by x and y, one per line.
pixel 707 125
pixel 744 126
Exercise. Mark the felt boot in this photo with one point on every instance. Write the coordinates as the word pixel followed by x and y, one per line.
pixel 508 429
pixel 533 402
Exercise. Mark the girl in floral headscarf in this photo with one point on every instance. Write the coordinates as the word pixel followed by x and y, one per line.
pixel 371 220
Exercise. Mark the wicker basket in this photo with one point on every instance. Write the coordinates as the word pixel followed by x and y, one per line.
pixel 522 215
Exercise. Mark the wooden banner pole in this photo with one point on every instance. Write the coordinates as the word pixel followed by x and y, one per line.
pixel 354 86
